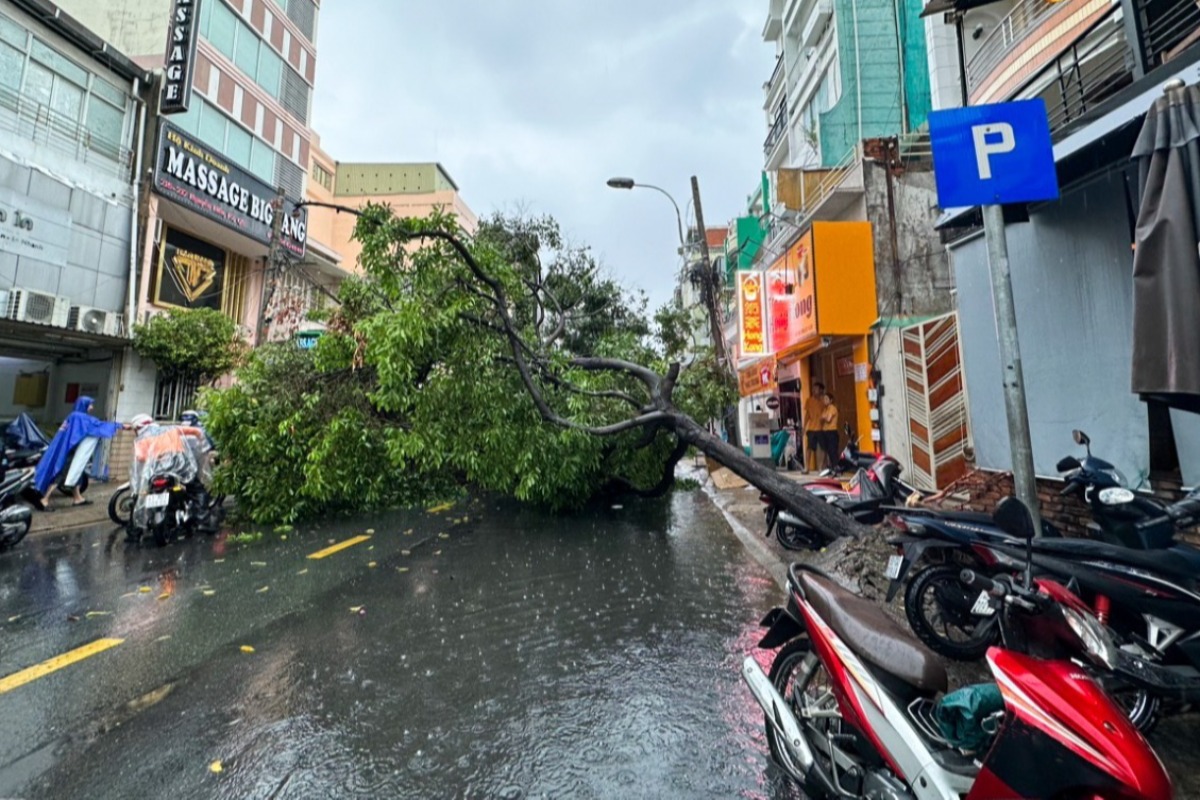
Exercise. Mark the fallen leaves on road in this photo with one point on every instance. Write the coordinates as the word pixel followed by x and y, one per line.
pixel 258 563
pixel 440 508
pixel 302 572
pixel 263 589
pixel 406 552
pixel 370 531
pixel 91 614
pixel 144 589
pixel 356 609
pixel 443 536
pixel 437 552
pixel 14 617
pixel 247 648
pixel 208 592
pixel 401 569
pixel 216 767
pixel 164 595
pixel 218 561
pixel 371 564
pixel 408 532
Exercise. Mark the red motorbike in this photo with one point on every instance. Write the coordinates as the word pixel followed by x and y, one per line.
pixel 852 708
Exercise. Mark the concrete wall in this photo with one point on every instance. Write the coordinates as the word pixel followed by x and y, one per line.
pixel 922 280
pixel 1071 273
pixel 97 268
pixel 137 28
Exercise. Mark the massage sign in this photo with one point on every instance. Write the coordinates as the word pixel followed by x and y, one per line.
pixel 751 312
pixel 181 56
pixel 206 182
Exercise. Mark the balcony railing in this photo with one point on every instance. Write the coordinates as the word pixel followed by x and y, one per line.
pixel 778 128
pixel 805 190
pixel 36 122
pixel 1024 18
pixel 1167 27
pixel 776 76
pixel 1087 73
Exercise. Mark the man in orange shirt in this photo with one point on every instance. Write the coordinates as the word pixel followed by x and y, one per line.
pixel 813 409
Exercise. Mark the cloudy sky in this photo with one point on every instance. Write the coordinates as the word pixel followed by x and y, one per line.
pixel 534 104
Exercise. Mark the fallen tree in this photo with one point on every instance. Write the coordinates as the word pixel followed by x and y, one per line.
pixel 502 294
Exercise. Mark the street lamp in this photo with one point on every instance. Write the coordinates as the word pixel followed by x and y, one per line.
pixel 629 183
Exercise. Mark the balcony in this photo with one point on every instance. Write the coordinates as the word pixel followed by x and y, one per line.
pixel 1167 28
pixel 776 78
pixel 1087 73
pixel 822 194
pixel 37 123
pixel 778 131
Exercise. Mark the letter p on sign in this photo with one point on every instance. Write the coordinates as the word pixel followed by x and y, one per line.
pixel 991 139
pixel 993 154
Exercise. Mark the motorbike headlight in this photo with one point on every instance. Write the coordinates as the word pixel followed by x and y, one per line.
pixel 1096 641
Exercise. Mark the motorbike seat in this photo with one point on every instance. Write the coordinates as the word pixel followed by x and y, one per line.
pixel 1175 562
pixel 873 635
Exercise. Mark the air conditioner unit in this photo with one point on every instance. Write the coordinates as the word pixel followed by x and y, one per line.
pixel 114 325
pixel 40 307
pixel 90 320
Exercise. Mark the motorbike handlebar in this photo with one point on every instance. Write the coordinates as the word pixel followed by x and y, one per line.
pixel 982 583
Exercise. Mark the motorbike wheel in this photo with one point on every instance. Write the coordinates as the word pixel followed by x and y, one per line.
pixel 796 537
pixel 120 506
pixel 806 685
pixel 15 539
pixel 1140 706
pixel 938 608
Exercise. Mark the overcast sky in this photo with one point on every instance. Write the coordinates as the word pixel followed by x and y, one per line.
pixel 534 104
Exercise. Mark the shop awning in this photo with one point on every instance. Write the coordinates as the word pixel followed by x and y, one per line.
pixel 799 350
pixel 29 340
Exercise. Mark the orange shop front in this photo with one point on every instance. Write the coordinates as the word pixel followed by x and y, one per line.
pixel 821 305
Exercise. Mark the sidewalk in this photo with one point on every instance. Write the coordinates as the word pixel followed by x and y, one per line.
pixel 67 517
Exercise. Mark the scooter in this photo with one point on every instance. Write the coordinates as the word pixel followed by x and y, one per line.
pixel 851 704
pixel 15 518
pixel 870 493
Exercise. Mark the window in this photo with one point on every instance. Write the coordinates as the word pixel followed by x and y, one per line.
pixel 74 103
pixel 242 45
pixel 322 177
pixel 210 125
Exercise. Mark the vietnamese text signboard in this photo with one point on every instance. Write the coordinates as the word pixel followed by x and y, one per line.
pixel 204 181
pixel 180 57
pixel 751 316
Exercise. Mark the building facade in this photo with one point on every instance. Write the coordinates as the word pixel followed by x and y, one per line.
pixel 858 287
pixel 1098 67
pixel 223 164
pixel 72 113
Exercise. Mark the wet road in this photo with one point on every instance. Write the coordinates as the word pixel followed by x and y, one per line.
pixel 508 655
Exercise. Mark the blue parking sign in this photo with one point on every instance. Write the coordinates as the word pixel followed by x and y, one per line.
pixel 993 154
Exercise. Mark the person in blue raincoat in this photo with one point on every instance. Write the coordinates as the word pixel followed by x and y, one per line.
pixel 70 450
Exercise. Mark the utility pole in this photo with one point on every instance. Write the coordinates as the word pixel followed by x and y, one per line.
pixel 709 290
pixel 1012 375
pixel 272 268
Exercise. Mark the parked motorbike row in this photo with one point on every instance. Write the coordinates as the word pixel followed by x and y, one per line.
pixel 1090 641
pixel 170 477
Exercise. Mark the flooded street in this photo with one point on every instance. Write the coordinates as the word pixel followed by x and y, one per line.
pixel 509 655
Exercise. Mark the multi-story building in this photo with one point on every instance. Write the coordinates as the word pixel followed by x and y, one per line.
pixel 410 189
pixel 224 164
pixel 854 282
pixel 689 294
pixel 72 112
pixel 1098 66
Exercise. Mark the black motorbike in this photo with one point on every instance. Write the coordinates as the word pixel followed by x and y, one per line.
pixel 15 517
pixel 172 507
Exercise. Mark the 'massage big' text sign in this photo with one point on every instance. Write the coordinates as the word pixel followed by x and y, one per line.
pixel 208 183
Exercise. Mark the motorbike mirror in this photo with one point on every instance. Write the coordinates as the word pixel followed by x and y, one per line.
pixel 1013 518
pixel 1067 464
pixel 1080 438
pixel 1116 496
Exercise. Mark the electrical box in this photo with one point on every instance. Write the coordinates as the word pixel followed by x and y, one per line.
pixel 760 435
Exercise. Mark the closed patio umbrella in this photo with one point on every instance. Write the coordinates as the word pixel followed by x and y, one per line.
pixel 1166 260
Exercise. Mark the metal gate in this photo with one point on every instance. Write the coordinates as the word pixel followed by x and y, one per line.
pixel 939 430
pixel 173 396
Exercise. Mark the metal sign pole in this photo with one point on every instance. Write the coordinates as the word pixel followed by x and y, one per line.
pixel 1024 479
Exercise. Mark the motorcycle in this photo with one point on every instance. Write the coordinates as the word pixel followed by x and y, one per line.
pixel 15 518
pixel 851 705
pixel 872 490
pixel 170 498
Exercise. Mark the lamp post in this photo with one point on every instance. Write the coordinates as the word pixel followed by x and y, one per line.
pixel 629 183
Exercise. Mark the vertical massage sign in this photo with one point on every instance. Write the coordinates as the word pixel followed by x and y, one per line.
pixel 751 310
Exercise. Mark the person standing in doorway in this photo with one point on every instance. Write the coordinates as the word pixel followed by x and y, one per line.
pixel 814 407
pixel 829 430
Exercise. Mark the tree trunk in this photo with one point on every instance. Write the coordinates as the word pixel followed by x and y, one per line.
pixel 788 493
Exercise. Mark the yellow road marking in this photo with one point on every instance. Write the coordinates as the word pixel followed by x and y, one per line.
pixel 43 669
pixel 339 547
